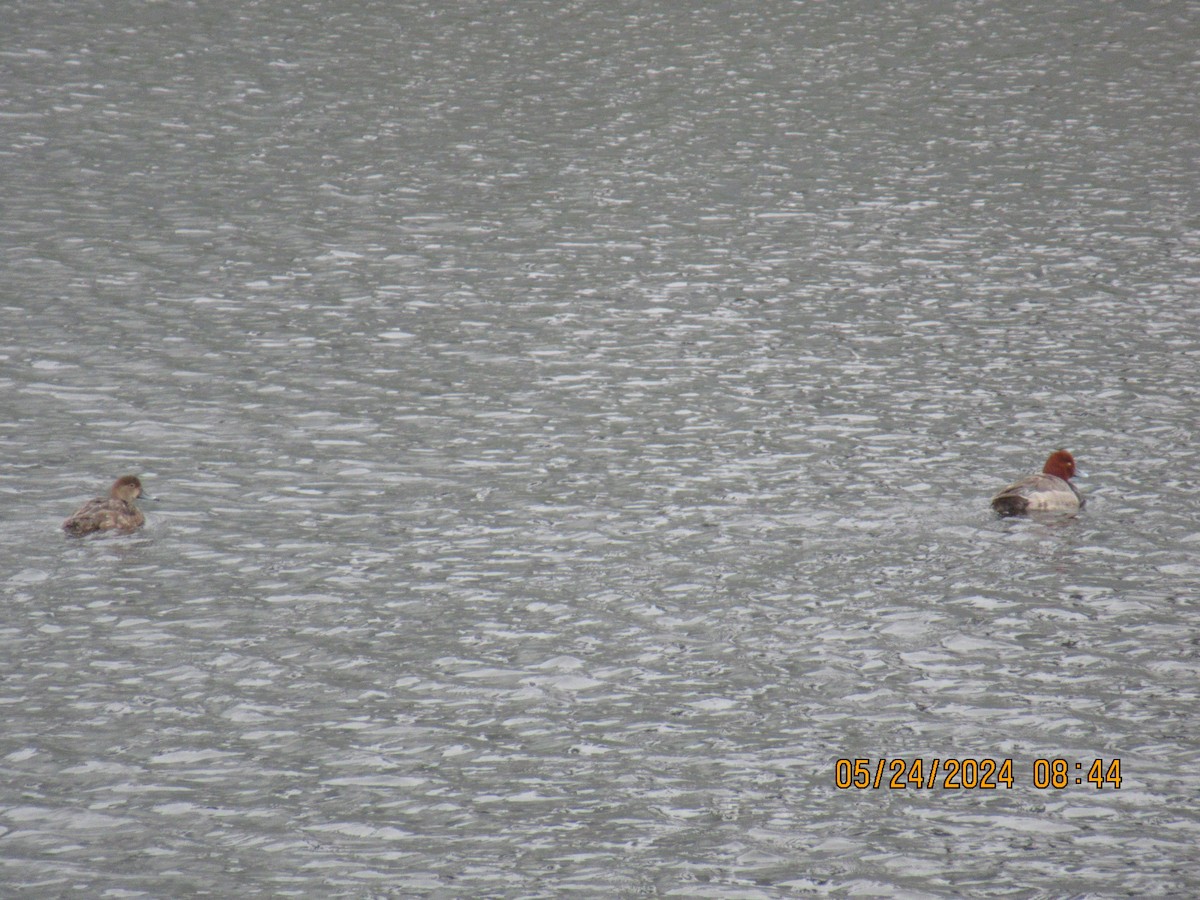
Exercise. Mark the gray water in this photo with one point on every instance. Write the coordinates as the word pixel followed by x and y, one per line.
pixel 573 426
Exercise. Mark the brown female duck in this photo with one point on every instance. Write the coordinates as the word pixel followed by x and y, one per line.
pixel 115 512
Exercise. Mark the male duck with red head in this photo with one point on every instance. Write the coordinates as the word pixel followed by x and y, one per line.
pixel 1049 491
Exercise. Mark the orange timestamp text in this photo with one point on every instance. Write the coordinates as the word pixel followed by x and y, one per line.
pixel 971 774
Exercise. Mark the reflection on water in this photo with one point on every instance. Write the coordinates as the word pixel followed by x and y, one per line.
pixel 574 431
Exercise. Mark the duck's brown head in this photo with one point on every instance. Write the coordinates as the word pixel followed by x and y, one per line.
pixel 127 488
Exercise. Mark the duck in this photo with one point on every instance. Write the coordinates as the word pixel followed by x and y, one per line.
pixel 115 512
pixel 1049 491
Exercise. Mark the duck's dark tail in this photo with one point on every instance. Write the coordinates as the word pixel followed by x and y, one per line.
pixel 1010 505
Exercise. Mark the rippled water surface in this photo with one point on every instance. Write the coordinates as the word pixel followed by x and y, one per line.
pixel 573 426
